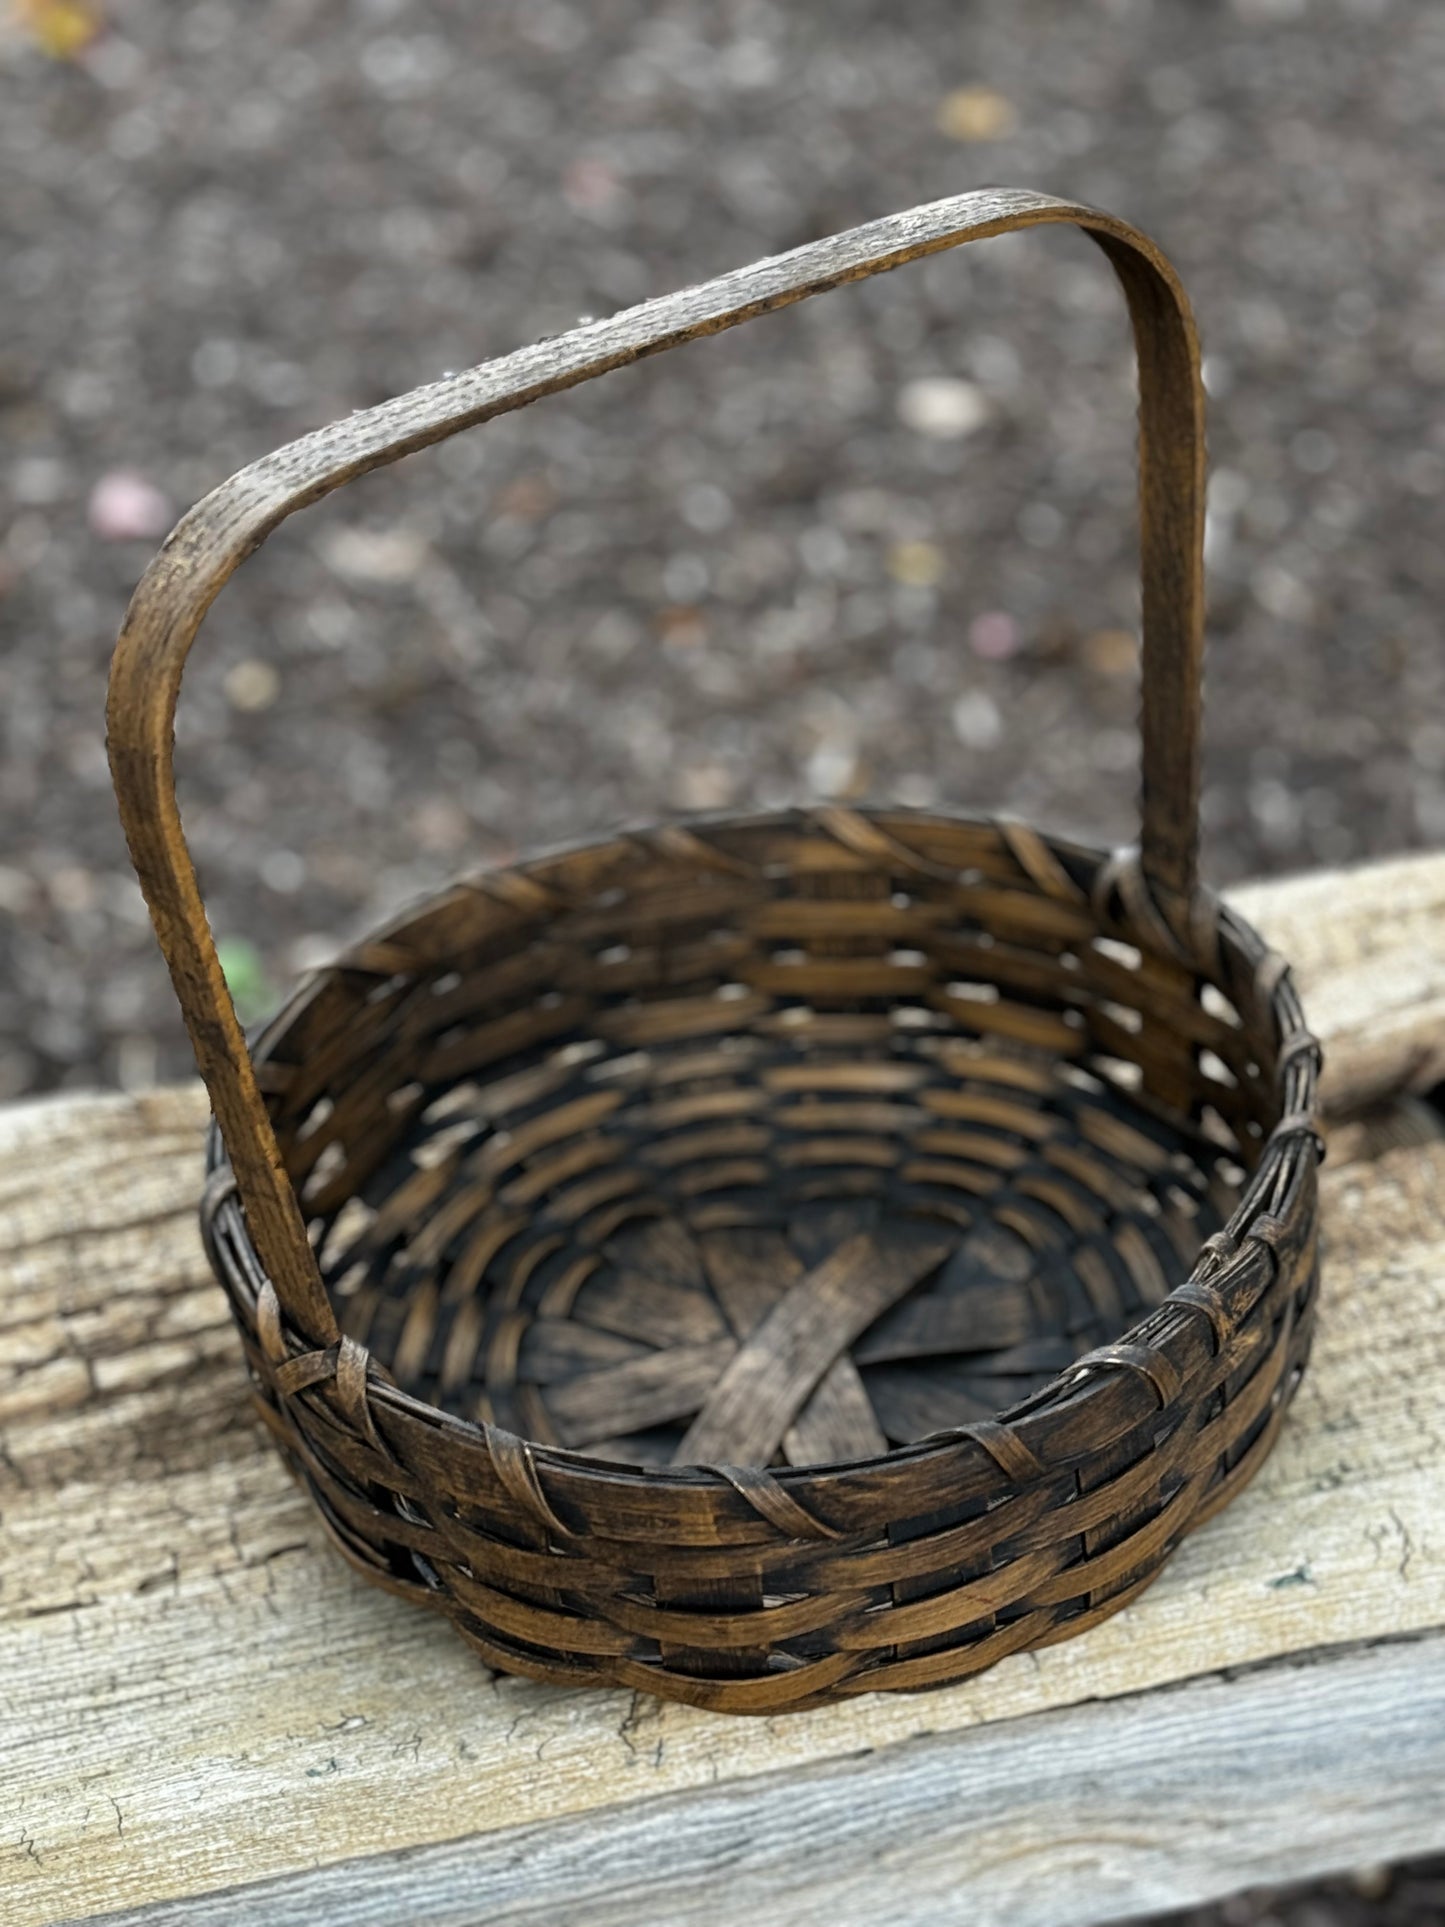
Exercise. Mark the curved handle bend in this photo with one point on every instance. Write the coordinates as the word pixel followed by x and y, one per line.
pixel 232 522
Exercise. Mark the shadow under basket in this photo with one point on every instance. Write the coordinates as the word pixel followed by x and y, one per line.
pixel 763 1260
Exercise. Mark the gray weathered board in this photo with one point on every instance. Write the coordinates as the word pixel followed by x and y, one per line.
pixel 206 1719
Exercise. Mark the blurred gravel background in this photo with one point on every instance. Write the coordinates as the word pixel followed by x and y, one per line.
pixel 880 545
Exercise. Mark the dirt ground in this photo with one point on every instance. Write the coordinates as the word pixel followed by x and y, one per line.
pixel 881 545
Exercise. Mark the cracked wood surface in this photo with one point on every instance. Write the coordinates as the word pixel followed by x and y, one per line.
pixel 198 1697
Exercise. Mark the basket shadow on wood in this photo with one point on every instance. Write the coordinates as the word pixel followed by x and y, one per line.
pixel 760 1260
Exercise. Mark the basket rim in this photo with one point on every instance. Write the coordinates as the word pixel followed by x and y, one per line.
pixel 1220 1259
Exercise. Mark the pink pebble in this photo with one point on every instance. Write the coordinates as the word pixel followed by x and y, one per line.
pixel 125 507
pixel 994 635
pixel 591 184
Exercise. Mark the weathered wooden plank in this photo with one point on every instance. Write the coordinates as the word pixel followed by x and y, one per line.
pixel 1101 1810
pixel 1368 949
pixel 179 1641
pixel 196 1695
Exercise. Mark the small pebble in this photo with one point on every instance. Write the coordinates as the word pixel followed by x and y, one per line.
pixel 943 407
pixel 592 186
pixel 976 114
pixel 918 564
pixel 125 507
pixel 976 721
pixel 1111 652
pixel 252 685
pixel 681 626
pixel 374 555
pixel 704 786
pixel 833 768
pixel 994 635
pixel 64 29
pixel 527 499
pixel 1281 594
pixel 72 888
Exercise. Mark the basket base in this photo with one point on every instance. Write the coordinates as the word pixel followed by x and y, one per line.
pixel 831 1312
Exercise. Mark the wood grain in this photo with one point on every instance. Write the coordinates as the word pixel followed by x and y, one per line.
pixel 1030 1823
pixel 197 1695
pixel 1375 974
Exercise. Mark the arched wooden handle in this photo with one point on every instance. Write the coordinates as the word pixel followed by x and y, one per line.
pixel 233 521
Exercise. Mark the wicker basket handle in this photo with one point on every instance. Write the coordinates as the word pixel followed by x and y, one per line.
pixel 233 521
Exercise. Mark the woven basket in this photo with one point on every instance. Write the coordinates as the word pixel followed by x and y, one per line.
pixel 766 1259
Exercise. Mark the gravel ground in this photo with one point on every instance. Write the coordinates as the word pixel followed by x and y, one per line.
pixel 1411 1896
pixel 880 545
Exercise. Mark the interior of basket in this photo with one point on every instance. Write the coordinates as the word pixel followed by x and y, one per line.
pixel 780 1142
